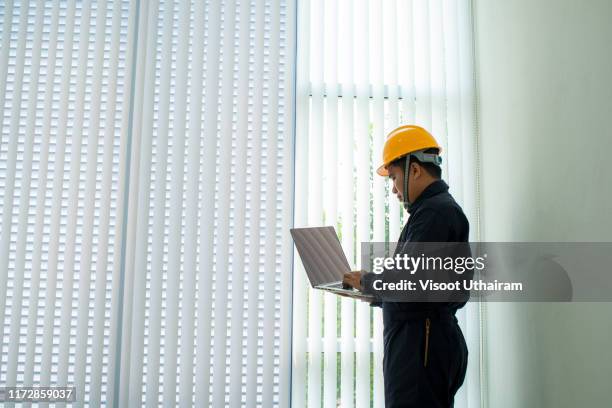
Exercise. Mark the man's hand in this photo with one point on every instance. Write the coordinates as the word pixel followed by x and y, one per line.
pixel 353 279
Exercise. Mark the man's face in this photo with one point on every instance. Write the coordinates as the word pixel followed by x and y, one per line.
pixel 396 175
pixel 415 182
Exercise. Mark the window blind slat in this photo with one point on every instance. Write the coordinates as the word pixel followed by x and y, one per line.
pixel 347 128
pixel 158 158
pixel 469 125
pixel 289 164
pixel 422 63
pixel 379 50
pixel 300 284
pixel 24 201
pixel 175 242
pixel 129 163
pixel 76 138
pixel 270 302
pixel 43 174
pixel 49 331
pixel 4 57
pixel 400 111
pixel 187 345
pixel 438 74
pixel 384 38
pixel 472 314
pixel 406 55
pixel 253 380
pixel 86 269
pixel 330 168
pixel 453 100
pixel 141 217
pixel 207 212
pixel 315 196
pixel 11 165
pixel 101 274
pixel 362 35
pixel 236 351
pixel 223 199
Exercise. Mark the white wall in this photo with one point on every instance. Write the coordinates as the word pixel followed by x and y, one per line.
pixel 545 88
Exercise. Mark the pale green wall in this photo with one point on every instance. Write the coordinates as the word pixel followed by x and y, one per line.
pixel 545 88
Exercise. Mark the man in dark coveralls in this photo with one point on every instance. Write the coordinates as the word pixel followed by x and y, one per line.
pixel 425 354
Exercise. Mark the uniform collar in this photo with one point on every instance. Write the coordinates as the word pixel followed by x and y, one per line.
pixel 435 188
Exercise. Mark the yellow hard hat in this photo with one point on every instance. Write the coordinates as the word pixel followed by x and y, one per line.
pixel 405 140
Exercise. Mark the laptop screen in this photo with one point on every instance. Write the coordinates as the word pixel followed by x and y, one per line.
pixel 321 254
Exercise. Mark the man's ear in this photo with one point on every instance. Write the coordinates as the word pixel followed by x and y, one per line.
pixel 415 169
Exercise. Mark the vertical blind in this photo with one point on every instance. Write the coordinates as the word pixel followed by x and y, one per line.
pixel 365 67
pixel 147 184
pixel 208 255
pixel 64 80
pixel 146 165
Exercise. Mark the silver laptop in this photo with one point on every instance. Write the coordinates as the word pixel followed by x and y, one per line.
pixel 323 258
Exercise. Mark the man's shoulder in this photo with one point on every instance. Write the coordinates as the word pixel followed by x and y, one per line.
pixel 442 204
pixel 446 208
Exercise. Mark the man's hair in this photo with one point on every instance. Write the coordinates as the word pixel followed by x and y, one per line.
pixel 432 169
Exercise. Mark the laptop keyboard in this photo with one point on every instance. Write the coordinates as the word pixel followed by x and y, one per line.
pixel 337 285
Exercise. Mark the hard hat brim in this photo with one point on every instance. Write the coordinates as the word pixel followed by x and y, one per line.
pixel 382 171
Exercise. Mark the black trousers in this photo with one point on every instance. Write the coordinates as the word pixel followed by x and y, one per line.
pixel 421 369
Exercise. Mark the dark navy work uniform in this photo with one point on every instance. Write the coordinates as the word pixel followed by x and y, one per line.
pixel 425 355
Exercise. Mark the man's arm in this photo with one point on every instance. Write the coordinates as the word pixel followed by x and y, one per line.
pixel 426 226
